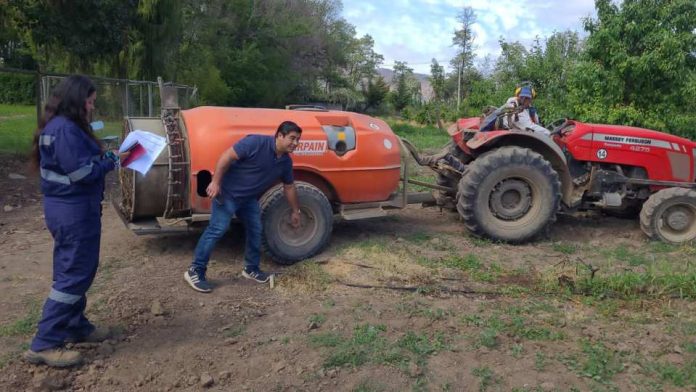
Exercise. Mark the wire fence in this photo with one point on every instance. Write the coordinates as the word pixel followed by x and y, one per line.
pixel 116 98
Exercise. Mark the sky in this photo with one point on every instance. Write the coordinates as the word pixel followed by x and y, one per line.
pixel 416 31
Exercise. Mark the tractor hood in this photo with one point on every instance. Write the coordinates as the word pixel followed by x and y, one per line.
pixel 640 135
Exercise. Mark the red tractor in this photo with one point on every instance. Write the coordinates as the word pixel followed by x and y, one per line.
pixel 509 185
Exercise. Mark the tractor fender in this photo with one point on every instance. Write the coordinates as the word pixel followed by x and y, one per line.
pixel 544 145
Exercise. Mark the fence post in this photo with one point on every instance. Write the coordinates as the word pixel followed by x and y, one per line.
pixel 149 99
pixel 38 97
pixel 127 108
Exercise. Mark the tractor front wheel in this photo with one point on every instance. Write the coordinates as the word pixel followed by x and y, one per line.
pixel 670 215
pixel 510 194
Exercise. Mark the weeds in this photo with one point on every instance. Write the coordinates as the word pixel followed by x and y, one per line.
pixel 486 377
pixel 565 248
pixel 540 361
pixel 422 345
pixel 680 377
pixel 510 323
pixel 234 332
pixel 306 277
pixel 601 363
pixel 368 345
pixel 369 386
pixel 317 319
pixel 25 325
pixel 473 267
pixel 419 309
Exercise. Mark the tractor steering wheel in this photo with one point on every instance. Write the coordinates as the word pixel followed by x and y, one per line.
pixel 556 126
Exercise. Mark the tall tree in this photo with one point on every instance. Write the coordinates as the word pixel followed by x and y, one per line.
pixel 404 85
pixel 437 82
pixel 463 40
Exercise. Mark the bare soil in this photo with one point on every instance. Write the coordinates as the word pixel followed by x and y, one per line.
pixel 452 319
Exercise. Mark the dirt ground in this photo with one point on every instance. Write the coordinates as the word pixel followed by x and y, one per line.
pixel 406 302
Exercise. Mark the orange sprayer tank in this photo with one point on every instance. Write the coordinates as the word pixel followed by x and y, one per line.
pixel 351 158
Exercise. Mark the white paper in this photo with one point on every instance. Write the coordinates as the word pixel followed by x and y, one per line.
pixel 153 145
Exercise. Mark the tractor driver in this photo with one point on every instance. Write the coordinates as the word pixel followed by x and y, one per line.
pixel 525 118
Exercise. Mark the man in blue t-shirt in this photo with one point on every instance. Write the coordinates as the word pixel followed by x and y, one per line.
pixel 242 174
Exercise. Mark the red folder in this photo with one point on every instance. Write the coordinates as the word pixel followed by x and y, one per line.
pixel 137 150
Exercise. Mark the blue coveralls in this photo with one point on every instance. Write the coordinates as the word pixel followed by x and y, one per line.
pixel 72 181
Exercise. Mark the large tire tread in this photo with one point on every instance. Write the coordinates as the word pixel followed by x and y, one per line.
pixel 275 196
pixel 486 164
pixel 650 207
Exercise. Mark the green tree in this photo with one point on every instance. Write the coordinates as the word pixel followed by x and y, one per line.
pixel 75 35
pixel 437 81
pixel 375 91
pixel 463 40
pixel 405 85
pixel 639 66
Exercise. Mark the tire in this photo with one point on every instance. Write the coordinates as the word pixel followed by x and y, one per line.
pixel 669 215
pixel 447 199
pixel 510 194
pixel 284 244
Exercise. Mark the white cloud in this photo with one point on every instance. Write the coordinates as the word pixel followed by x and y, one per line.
pixel 416 31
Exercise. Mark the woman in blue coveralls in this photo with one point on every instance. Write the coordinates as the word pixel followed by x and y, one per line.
pixel 72 167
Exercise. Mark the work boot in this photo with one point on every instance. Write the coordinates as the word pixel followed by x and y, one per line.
pixel 56 357
pixel 99 335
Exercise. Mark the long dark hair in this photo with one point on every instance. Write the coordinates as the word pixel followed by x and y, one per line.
pixel 67 99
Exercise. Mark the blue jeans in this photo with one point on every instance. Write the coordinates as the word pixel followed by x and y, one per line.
pixel 224 209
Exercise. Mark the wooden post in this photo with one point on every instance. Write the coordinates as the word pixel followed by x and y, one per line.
pixel 38 97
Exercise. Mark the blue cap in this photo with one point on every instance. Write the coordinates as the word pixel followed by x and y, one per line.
pixel 526 92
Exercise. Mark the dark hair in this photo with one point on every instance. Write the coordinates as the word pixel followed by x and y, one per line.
pixel 286 127
pixel 67 99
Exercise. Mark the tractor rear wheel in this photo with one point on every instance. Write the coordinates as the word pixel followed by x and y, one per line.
pixel 448 199
pixel 286 244
pixel 510 194
pixel 670 215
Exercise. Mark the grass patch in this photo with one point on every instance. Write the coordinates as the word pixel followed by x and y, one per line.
pixel 421 345
pixel 540 361
pixel 18 124
pixel 305 276
pixel 677 376
pixel 632 284
pixel 8 357
pixel 600 363
pixel 423 137
pixel 369 386
pixel 25 325
pixel 369 345
pixel 565 248
pixel 472 265
pixel 317 319
pixel 366 345
pixel 419 309
pixel 624 254
pixel 512 322
pixel 487 378
pixel 418 238
pixel 234 332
